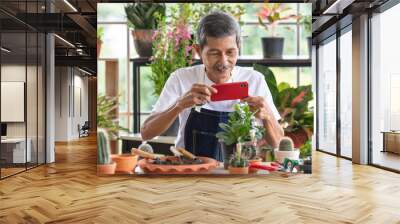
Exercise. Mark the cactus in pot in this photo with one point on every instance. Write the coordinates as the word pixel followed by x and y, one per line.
pixel 238 164
pixel 104 163
pixel 286 150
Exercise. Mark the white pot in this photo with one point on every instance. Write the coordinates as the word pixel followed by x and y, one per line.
pixel 281 155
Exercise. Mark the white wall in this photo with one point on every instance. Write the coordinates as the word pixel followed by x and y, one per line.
pixel 71 94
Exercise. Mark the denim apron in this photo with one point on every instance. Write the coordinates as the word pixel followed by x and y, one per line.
pixel 200 130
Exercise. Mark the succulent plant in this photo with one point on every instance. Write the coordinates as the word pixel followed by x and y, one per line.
pixel 103 147
pixel 144 15
pixel 286 144
pixel 146 147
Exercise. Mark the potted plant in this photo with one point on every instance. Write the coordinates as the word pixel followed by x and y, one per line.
pixel 238 163
pixel 99 35
pixel 104 163
pixel 238 127
pixel 143 18
pixel 286 150
pixel 297 118
pixel 107 120
pixel 273 13
pixel 305 154
pixel 307 23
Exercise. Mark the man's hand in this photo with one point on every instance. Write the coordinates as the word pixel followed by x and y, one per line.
pixel 198 94
pixel 257 103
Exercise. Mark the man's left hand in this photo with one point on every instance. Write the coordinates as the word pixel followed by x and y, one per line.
pixel 257 103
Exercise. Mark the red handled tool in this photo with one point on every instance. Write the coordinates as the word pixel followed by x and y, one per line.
pixel 273 167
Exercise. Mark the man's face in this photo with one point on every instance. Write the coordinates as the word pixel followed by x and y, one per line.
pixel 219 56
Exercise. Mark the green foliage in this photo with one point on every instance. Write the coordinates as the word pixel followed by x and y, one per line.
pixel 306 149
pixel 172 44
pixel 106 118
pixel 286 144
pixel 307 23
pixel 240 122
pixel 103 147
pixel 100 33
pixel 291 102
pixel 143 15
pixel 239 162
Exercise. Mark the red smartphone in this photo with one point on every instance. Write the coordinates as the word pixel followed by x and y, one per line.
pixel 230 91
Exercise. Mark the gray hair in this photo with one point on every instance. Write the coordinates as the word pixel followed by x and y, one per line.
pixel 217 24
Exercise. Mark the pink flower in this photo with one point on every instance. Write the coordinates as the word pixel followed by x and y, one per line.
pixel 298 98
pixel 264 12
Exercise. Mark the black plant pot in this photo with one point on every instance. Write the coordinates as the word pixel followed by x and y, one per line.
pixel 227 151
pixel 173 129
pixel 272 47
pixel 307 166
pixel 309 39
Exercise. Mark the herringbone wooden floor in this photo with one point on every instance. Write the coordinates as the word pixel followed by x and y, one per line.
pixel 70 192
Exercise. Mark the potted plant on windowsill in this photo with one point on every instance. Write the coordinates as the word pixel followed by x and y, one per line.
pixel 143 18
pixel 99 37
pixel 297 118
pixel 238 128
pixel 273 14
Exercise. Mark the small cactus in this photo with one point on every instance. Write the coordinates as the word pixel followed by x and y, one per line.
pixel 239 162
pixel 103 147
pixel 286 144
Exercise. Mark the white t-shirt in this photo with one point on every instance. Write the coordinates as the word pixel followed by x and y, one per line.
pixel 181 81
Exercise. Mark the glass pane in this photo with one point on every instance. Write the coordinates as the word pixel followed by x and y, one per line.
pixel 14 154
pixel 327 97
pixel 114 41
pixel 147 97
pixel 110 12
pixel 31 100
pixel 285 74
pixel 385 84
pixel 101 77
pixel 346 94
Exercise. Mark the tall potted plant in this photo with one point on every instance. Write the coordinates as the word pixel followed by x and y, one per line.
pixel 273 14
pixel 297 118
pixel 99 37
pixel 143 18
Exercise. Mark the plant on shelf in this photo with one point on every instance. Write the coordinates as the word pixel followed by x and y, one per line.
pixel 99 37
pixel 143 17
pixel 269 16
pixel 104 163
pixel 297 118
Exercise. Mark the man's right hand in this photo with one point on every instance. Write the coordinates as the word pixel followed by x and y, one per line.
pixel 199 94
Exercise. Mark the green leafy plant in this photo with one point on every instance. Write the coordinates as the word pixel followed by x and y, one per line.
pixel 103 147
pixel 106 118
pixel 307 23
pixel 306 149
pixel 291 102
pixel 273 14
pixel 240 122
pixel 143 15
pixel 100 33
pixel 171 47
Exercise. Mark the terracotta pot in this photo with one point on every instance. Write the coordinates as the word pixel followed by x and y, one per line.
pixel 143 41
pixel 238 170
pixel 148 166
pixel 254 161
pixel 299 137
pixel 126 163
pixel 106 168
pixel 99 43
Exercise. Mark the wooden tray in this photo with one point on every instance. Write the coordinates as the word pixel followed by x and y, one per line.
pixel 208 164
